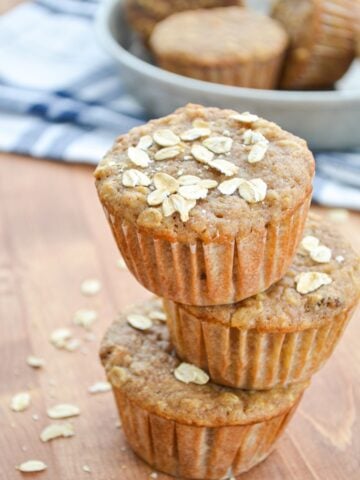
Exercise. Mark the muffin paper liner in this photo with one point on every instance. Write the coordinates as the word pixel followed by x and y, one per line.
pixel 211 273
pixel 195 451
pixel 333 50
pixel 253 359
pixel 253 74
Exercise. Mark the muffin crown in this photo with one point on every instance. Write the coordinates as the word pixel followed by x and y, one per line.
pixel 241 35
pixel 205 173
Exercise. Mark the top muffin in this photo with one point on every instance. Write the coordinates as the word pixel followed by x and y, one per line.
pixel 205 173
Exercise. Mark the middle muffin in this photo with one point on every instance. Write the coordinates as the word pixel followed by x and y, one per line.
pixel 207 206
pixel 281 336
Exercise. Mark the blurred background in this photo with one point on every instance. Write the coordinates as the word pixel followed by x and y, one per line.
pixel 75 74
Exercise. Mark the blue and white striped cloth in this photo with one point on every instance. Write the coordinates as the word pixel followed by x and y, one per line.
pixel 61 98
pixel 60 95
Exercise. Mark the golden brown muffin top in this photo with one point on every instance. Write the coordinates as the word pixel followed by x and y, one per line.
pixel 229 173
pixel 218 36
pixel 143 365
pixel 282 306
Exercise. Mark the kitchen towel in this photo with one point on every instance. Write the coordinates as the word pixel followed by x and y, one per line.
pixel 60 94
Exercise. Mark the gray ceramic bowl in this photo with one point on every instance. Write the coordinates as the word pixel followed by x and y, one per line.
pixel 326 119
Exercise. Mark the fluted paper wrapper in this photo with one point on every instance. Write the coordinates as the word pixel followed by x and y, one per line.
pixel 332 52
pixel 262 74
pixel 197 452
pixel 211 273
pixel 253 359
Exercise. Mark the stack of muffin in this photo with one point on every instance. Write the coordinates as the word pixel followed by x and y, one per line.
pixel 209 209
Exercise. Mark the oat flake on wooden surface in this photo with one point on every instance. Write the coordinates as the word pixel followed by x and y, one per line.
pixel 57 430
pixel 20 402
pixel 90 287
pixel 99 387
pixel 63 410
pixel 32 466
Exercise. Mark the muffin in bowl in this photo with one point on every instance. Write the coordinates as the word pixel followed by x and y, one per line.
pixel 322 41
pixel 232 46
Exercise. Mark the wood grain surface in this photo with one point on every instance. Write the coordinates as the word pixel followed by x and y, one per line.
pixel 53 235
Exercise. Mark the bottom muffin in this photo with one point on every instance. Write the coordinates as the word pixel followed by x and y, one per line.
pixel 174 417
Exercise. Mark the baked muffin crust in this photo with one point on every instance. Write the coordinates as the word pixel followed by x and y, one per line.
pixel 142 364
pixel 239 35
pixel 287 168
pixel 244 48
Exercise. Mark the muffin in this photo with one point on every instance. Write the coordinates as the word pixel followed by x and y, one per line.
pixel 207 206
pixel 143 15
pixel 232 46
pixel 322 43
pixel 174 418
pixel 281 336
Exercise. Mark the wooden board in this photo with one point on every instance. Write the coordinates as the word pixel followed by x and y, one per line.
pixel 53 235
